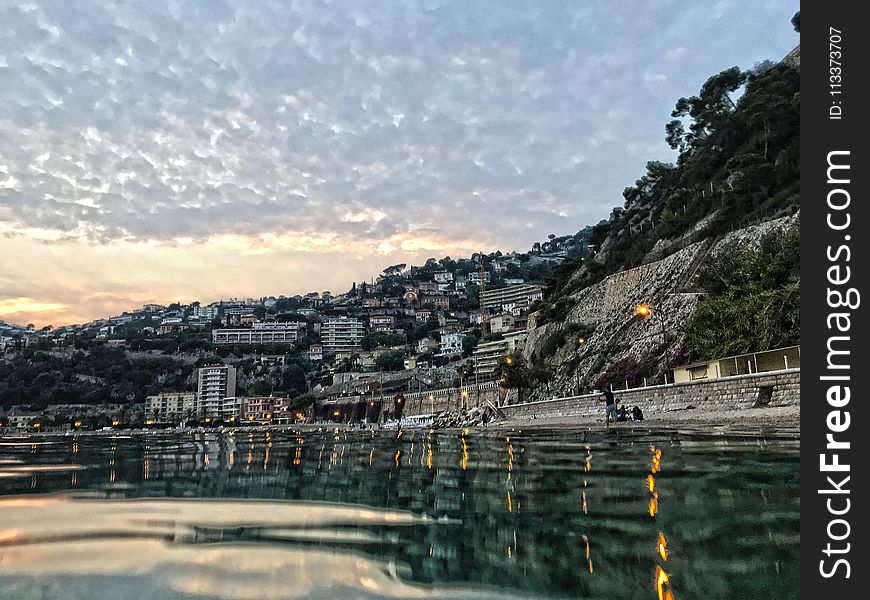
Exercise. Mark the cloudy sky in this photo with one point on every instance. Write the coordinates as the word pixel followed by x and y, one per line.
pixel 181 150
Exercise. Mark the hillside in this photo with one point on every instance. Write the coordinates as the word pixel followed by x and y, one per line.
pixel 711 243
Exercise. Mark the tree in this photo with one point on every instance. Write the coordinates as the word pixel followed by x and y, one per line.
pixel 796 21
pixel 708 111
pixel 261 387
pixel 515 373
pixel 390 361
pixel 541 373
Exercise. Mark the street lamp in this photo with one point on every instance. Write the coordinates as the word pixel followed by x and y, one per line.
pixel 644 311
pixel 581 340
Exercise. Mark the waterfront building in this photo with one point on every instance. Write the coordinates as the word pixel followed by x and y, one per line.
pixel 342 334
pixel 170 406
pixel 261 409
pixel 231 409
pixel 260 333
pixel 216 383
pixel 741 364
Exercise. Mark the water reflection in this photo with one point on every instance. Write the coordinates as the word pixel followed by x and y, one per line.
pixel 400 514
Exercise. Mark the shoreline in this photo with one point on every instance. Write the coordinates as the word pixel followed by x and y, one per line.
pixel 784 419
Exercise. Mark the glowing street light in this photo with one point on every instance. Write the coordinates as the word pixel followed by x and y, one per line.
pixel 644 311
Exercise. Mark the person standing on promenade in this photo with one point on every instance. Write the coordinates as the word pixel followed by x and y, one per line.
pixel 609 406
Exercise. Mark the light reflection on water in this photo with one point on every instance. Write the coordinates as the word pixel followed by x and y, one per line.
pixel 630 513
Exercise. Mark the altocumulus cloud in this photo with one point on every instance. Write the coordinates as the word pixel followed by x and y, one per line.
pixel 370 126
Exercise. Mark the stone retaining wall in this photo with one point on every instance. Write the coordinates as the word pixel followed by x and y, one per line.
pixel 775 388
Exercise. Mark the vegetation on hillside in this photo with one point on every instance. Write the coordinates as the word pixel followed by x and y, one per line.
pixel 753 300
pixel 738 163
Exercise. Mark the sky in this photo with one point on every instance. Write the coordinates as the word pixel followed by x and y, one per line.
pixel 160 151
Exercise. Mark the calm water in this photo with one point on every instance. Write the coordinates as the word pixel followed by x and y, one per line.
pixel 537 514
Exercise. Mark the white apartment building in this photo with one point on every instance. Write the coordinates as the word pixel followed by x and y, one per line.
pixel 206 312
pixel 474 277
pixel 216 383
pixel 231 409
pixel 512 296
pixel 451 343
pixel 488 355
pixel 260 333
pixel 342 334
pixel 170 406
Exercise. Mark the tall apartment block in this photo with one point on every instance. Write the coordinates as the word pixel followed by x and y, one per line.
pixel 216 383
pixel 342 334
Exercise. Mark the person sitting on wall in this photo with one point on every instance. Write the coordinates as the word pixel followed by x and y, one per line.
pixel 636 414
pixel 621 412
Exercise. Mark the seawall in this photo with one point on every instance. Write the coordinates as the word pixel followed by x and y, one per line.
pixel 774 388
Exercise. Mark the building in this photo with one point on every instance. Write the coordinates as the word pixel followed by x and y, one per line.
pixel 342 334
pixel 474 277
pixel 216 383
pixel 436 302
pixel 231 409
pixel 382 323
pixel 427 345
pixel 423 315
pixel 427 287
pixel 443 277
pixel 742 364
pixel 22 421
pixel 261 333
pixel 258 409
pixel 488 355
pixel 314 352
pixel 501 323
pixel 451 343
pixel 168 327
pixel 167 407
pixel 207 313
pixel 512 296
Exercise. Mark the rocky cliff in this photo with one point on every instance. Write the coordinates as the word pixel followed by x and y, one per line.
pixel 621 339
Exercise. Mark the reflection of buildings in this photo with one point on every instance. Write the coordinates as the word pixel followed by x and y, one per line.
pixel 216 383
